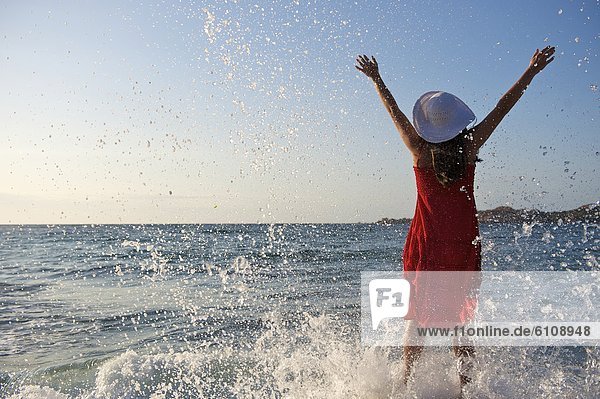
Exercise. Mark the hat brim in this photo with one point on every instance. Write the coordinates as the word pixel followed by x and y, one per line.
pixel 462 117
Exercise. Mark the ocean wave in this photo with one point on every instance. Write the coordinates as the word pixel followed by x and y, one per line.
pixel 320 357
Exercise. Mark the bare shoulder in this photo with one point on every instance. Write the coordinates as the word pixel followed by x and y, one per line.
pixel 482 132
pixel 415 144
pixel 472 147
pixel 422 155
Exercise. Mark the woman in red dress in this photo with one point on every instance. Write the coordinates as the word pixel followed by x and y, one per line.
pixel 444 233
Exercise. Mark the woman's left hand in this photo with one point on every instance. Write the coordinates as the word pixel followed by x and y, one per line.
pixel 368 66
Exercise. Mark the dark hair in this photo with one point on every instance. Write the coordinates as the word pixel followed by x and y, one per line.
pixel 450 158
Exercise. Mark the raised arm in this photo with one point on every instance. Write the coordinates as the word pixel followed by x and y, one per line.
pixel 408 133
pixel 484 130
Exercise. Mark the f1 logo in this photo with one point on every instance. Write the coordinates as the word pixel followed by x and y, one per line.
pixel 388 299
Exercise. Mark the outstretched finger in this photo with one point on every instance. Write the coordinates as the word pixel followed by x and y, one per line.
pixel 374 60
pixel 550 60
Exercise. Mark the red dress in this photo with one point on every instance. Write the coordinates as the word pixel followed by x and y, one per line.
pixel 443 236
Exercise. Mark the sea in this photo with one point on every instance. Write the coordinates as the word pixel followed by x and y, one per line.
pixel 251 311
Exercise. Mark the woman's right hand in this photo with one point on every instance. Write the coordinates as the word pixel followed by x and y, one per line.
pixel 540 59
pixel 368 66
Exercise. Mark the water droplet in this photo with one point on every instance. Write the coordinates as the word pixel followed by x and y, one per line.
pixel 594 87
pixel 560 11
pixel 577 39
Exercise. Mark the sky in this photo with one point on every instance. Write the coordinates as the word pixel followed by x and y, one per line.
pixel 252 112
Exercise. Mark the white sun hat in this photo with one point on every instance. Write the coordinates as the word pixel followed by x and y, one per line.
pixel 439 116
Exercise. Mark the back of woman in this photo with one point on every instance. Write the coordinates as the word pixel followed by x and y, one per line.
pixel 444 234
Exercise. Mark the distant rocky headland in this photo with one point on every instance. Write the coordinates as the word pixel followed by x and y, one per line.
pixel 589 213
